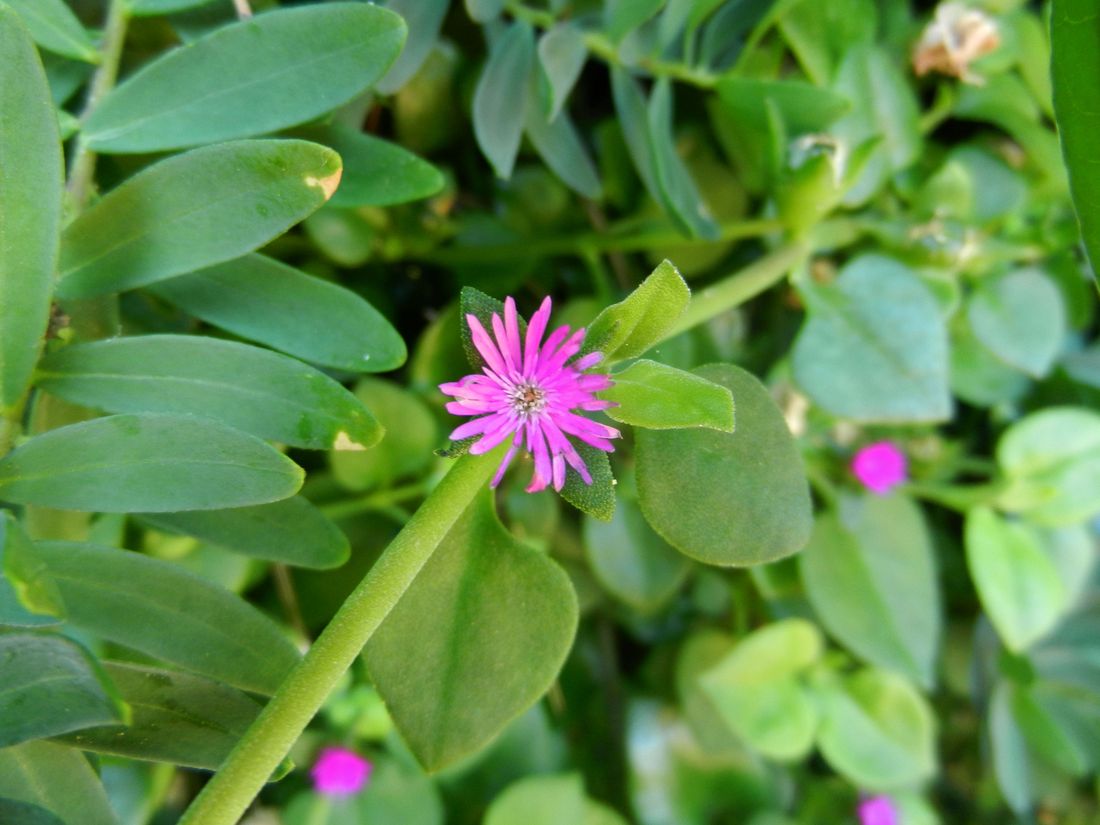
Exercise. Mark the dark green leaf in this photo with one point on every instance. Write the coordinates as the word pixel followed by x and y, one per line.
pixel 193 210
pixel 146 463
pixel 710 494
pixel 629 328
pixel 51 686
pixel 598 498
pixel 267 301
pixel 54 27
pixel 500 102
pixel 252 389
pixel 28 596
pixel 562 53
pixel 874 347
pixel 57 779
pixel 632 115
pixel 302 62
pixel 477 638
pixel 177 717
pixel 130 599
pixel 29 174
pixel 291 531
pixel 659 397
pixel 1021 318
pixel 680 194
pixel 870 574
pixel 24 813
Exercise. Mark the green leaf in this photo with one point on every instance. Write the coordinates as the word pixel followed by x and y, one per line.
pixel 252 389
pixel 1011 761
pixel 178 718
pixel 291 531
pixel 28 596
pixel 680 194
pixel 756 694
pixel 1052 461
pixel 146 463
pixel 193 210
pixel 500 101
pixel 484 11
pixel 25 813
pixel 877 731
pixel 710 494
pixel 131 599
pixel 267 301
pixel 302 62
pixel 979 378
pixel 558 143
pixel 1075 65
pixel 54 27
pixel 540 800
pixel 149 8
pixel 632 562
pixel 598 498
pixel 874 347
pixel 1021 318
pixel 424 19
pixel 478 637
pixel 869 571
pixel 633 118
pixel 562 55
pixel 31 173
pixel 57 779
pixel 1018 583
pixel 397 792
pixel 376 172
pixel 623 16
pixel 51 686
pixel 660 397
pixel 629 328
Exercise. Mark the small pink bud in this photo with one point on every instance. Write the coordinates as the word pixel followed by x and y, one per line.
pixel 878 810
pixel 880 467
pixel 340 772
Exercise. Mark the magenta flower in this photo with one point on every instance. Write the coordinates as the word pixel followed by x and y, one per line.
pixel 530 394
pixel 340 772
pixel 878 810
pixel 880 467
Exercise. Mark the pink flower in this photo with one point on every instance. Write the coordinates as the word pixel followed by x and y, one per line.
pixel 878 810
pixel 340 772
pixel 880 467
pixel 530 394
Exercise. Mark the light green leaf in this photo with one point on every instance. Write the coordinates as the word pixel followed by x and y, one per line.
pixel 623 16
pixel 632 562
pixel 146 463
pixel 130 599
pixel 267 301
pixel 540 800
pixel 302 62
pixel 500 101
pixel 291 531
pixel 28 596
pixel 1052 461
pixel 483 11
pixel 424 18
pixel 54 27
pixel 979 378
pixel 1018 583
pixel 30 174
pixel 1075 65
pixel 478 637
pixel 252 389
pixel 177 717
pixel 629 328
pixel 710 495
pixel 58 779
pixel 558 143
pixel 877 731
pixel 51 686
pixel 1011 761
pixel 1021 318
pixel 874 347
pixel 869 571
pixel 562 54
pixel 660 397
pixel 376 172
pixel 193 210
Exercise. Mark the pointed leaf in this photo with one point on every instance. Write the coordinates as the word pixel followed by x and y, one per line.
pixel 629 328
pixel 424 18
pixel 146 463
pixel 25 813
pixel 29 174
pixel 255 390
pixel 558 143
pixel 302 62
pixel 680 194
pixel 562 53
pixel 54 27
pixel 500 100
pixel 193 210
pixel 130 599
pixel 659 397
pixel 57 779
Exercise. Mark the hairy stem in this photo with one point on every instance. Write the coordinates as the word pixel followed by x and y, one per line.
pixel 300 696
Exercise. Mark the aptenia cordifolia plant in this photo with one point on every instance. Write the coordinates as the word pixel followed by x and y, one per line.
pixel 788 515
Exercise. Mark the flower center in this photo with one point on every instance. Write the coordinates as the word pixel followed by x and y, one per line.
pixel 527 399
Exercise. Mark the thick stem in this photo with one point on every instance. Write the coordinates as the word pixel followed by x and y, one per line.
pixel 269 739
pixel 82 171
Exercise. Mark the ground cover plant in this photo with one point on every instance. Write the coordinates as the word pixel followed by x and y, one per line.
pixel 668 412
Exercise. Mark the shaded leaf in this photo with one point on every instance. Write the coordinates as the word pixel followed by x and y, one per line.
pixel 54 27
pixel 500 101
pixel 57 779
pixel 562 54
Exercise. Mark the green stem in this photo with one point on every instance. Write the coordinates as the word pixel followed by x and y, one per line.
pixel 82 171
pixel 734 290
pixel 300 696
pixel 961 498
pixel 374 501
